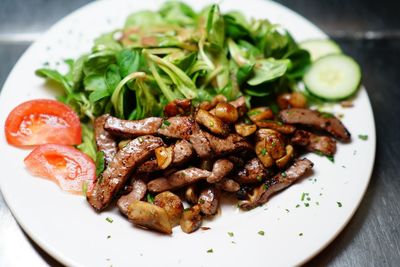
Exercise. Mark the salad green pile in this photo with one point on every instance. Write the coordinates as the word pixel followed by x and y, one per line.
pixel 176 52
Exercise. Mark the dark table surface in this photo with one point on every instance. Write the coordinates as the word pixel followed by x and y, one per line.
pixel 369 31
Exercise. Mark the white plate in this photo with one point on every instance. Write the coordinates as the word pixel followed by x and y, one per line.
pixel 67 228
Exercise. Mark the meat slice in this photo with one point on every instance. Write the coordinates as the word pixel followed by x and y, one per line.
pixel 182 152
pixel 277 126
pixel 277 183
pixel 104 140
pixel 221 169
pixel 177 127
pixel 314 143
pixel 177 107
pixel 317 120
pixel 252 172
pixel 177 180
pixel 138 192
pixel 132 128
pixel 209 200
pixel 120 168
pixel 229 185
pixel 231 144
pixel 200 142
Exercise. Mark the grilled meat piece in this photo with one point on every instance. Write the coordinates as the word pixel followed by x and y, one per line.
pixel 231 144
pixel 200 142
pixel 252 172
pixel 277 183
pixel 177 127
pixel 138 192
pixel 317 120
pixel 221 169
pixel 177 180
pixel 277 126
pixel 132 128
pixel 228 185
pixel 120 168
pixel 177 107
pixel 182 152
pixel 104 140
pixel 314 143
pixel 209 200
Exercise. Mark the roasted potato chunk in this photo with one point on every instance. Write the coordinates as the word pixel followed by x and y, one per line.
pixel 150 216
pixel 172 204
pixel 191 219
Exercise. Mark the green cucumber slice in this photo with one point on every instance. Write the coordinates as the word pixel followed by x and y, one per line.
pixel 320 47
pixel 333 77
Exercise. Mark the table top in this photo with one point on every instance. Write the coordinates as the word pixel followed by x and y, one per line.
pixel 369 31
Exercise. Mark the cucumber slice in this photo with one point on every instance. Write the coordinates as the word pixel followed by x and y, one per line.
pixel 333 77
pixel 320 47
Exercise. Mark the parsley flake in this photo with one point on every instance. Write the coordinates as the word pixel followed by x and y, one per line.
pixel 166 123
pixel 230 234
pixel 263 151
pixel 210 250
pixel 110 220
pixel 150 198
pixel 363 137
pixel 283 174
pixel 300 234
pixel 339 204
pixel 108 237
pixel 261 232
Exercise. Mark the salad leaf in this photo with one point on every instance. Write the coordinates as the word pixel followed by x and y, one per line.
pixel 268 69
pixel 88 145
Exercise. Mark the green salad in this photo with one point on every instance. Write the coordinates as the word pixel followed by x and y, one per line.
pixel 175 53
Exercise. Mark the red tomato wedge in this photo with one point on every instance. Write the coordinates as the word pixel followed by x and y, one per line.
pixel 43 121
pixel 71 169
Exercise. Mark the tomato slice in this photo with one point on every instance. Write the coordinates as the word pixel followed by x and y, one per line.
pixel 71 169
pixel 43 121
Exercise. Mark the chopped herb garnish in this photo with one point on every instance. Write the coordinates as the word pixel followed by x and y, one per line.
pixel 363 137
pixel 166 123
pixel 300 234
pixel 150 198
pixel 201 201
pixel 331 158
pixel 263 151
pixel 140 139
pixel 327 115
pixel 253 112
pixel 259 177
pixel 108 219
pixel 308 198
pixel 108 237
pixel 233 242
pixel 230 234
pixel 99 164
pixel 306 204
pixel 283 174
pixel 317 203
pixel 339 204
pixel 210 250
pixel 211 124
pixel 303 196
pixel 261 232
pixel 287 210
pixel 298 206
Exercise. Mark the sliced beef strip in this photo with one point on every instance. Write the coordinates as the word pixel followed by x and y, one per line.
pixel 252 172
pixel 231 144
pixel 277 126
pixel 221 168
pixel 104 140
pixel 177 127
pixel 314 143
pixel 120 168
pixel 200 142
pixel 317 120
pixel 132 128
pixel 177 180
pixel 182 152
pixel 177 107
pixel 209 200
pixel 138 192
pixel 228 185
pixel 277 183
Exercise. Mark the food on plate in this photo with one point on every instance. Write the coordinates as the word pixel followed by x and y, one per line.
pixel 180 109
pixel 42 121
pixel 68 167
